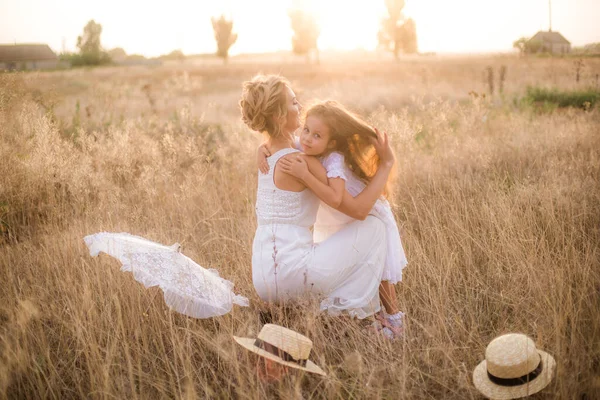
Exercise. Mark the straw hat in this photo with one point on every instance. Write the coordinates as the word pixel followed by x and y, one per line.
pixel 282 345
pixel 513 368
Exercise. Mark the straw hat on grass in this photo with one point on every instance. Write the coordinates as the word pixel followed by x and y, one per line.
pixel 283 346
pixel 513 368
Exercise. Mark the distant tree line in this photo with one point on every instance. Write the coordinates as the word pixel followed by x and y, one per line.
pixel 397 34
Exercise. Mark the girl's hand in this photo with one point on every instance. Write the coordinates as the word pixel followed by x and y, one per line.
pixel 295 166
pixel 262 153
pixel 383 148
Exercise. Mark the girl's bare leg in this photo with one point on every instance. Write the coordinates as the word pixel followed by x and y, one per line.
pixel 392 323
pixel 387 295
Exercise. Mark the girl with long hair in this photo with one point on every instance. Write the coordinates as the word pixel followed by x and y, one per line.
pixel 342 142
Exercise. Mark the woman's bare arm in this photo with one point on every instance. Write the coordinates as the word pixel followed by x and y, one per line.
pixel 331 193
pixel 359 207
pixel 356 207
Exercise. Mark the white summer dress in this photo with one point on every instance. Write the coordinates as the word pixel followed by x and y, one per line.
pixel 345 270
pixel 330 220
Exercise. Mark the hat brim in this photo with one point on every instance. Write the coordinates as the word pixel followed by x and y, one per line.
pixel 488 388
pixel 248 343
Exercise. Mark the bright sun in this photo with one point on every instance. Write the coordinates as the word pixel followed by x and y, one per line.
pixel 347 27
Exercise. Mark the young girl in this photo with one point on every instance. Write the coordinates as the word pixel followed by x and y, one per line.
pixel 341 141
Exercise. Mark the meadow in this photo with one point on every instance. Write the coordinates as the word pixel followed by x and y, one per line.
pixel 497 199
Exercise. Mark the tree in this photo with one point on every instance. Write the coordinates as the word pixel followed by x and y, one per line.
pixel 306 32
pixel 527 46
pixel 397 33
pixel 408 36
pixel 90 49
pixel 521 44
pixel 224 36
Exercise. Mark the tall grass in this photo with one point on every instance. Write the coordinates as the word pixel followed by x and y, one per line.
pixel 578 98
pixel 499 209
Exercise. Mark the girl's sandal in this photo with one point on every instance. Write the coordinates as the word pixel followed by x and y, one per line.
pixel 374 328
pixel 378 330
pixel 391 331
pixel 397 332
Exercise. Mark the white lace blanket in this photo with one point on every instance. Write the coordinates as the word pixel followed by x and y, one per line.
pixel 188 288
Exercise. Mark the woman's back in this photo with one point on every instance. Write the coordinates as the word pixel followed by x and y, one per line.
pixel 283 240
pixel 277 206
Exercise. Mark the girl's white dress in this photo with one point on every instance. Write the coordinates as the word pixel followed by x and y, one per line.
pixel 330 220
pixel 345 269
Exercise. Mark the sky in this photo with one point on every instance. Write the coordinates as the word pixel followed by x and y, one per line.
pixel 153 28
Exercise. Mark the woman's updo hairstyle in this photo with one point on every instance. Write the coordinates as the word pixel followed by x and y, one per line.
pixel 264 103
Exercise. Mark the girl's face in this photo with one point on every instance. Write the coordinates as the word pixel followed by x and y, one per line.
pixel 315 138
pixel 292 121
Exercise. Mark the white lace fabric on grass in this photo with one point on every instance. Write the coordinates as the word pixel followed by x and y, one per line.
pixel 188 288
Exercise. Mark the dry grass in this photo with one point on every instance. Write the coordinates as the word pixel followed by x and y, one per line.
pixel 499 208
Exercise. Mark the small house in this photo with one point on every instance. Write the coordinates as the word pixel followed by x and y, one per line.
pixel 27 56
pixel 550 42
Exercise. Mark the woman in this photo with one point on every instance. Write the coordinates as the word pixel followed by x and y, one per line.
pixel 286 264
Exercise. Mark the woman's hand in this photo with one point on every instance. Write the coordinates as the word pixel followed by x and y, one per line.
pixel 383 148
pixel 262 153
pixel 295 166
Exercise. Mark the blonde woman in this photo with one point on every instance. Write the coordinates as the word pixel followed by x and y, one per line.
pixel 345 269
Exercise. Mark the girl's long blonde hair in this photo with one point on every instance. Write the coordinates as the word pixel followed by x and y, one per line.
pixel 352 135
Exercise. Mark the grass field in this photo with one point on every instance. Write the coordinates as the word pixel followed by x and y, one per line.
pixel 497 199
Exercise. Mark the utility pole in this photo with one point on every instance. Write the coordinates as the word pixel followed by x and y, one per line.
pixel 550 14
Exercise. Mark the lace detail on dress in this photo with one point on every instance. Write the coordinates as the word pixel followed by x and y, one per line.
pixel 335 166
pixel 277 206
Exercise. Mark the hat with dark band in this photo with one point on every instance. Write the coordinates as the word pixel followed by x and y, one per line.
pixel 513 368
pixel 283 346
